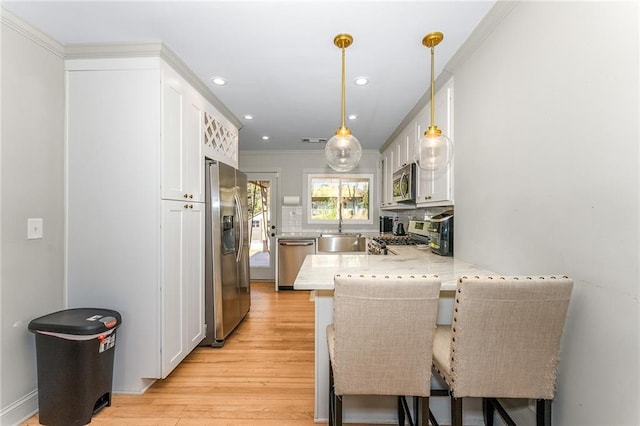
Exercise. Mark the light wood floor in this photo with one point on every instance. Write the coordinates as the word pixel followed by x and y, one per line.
pixel 262 376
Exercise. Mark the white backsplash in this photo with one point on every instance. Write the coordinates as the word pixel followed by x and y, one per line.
pixel 291 219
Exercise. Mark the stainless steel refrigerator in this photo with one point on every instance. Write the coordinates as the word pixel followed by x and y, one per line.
pixel 227 288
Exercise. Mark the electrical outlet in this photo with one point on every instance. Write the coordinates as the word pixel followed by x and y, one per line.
pixel 34 228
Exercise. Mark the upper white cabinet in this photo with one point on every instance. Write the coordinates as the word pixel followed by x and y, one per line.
pixel 388 166
pixel 135 203
pixel 435 188
pixel 220 137
pixel 182 135
pixel 432 188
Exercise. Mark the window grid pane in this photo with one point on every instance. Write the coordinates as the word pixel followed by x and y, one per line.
pixel 350 193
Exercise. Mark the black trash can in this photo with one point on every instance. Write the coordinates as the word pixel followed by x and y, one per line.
pixel 74 350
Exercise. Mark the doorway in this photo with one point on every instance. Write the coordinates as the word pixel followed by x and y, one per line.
pixel 262 196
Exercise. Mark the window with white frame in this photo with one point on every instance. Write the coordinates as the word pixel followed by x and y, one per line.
pixel 333 196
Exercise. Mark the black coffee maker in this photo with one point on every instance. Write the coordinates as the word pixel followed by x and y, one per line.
pixel 398 228
pixel 386 224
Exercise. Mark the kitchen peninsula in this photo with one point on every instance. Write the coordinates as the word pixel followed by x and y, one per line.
pixel 316 274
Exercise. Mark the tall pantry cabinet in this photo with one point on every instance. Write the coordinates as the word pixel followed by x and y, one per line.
pixel 136 136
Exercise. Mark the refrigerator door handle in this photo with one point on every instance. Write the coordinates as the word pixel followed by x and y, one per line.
pixel 241 222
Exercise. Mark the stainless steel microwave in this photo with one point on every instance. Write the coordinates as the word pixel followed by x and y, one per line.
pixel 404 184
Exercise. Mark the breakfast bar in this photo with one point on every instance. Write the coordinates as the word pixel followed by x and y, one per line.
pixel 316 274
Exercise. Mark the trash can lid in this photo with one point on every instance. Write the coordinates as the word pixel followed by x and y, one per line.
pixel 79 321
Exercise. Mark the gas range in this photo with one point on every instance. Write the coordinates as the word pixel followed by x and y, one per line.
pixel 395 240
pixel 418 234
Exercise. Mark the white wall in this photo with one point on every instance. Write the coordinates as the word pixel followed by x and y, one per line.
pixel 547 167
pixel 292 166
pixel 31 185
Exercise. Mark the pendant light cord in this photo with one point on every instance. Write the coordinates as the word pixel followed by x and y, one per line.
pixel 343 75
pixel 433 107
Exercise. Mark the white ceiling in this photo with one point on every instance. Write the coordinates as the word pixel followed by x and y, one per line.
pixel 279 58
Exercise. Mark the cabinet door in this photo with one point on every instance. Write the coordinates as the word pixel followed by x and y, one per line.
pixel 182 281
pixel 388 168
pixel 193 274
pixel 182 162
pixel 436 187
pixel 172 287
pixel 173 140
pixel 193 153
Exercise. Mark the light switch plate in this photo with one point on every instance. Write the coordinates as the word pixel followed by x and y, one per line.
pixel 34 228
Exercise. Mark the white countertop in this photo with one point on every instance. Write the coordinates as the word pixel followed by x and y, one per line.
pixel 318 270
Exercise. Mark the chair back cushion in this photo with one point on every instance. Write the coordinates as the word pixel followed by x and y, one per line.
pixel 505 336
pixel 383 334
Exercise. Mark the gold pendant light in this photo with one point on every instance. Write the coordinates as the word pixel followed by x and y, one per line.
pixel 434 150
pixel 343 150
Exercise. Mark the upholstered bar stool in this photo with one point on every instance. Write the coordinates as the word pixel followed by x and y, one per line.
pixel 381 340
pixel 503 342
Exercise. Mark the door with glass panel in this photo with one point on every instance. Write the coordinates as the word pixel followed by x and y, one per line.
pixel 262 195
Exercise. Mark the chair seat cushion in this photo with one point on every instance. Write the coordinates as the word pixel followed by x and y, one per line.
pixel 442 352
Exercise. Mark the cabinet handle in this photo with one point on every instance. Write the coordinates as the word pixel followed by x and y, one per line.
pixel 186 195
pixel 186 206
pixel 428 197
pixel 190 196
pixel 190 206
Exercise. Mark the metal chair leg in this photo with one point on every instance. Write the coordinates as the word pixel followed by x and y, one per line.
pixel 424 411
pixel 488 411
pixel 543 412
pixel 332 398
pixel 456 411
pixel 400 409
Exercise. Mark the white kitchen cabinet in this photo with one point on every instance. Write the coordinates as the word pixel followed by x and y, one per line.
pixel 435 188
pixel 132 245
pixel 182 280
pixel 182 136
pixel 388 166
pixel 220 137
pixel 405 147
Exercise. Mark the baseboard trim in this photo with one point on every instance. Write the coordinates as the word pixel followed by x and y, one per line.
pixel 20 410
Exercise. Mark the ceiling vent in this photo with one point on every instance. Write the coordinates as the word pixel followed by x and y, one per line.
pixel 313 140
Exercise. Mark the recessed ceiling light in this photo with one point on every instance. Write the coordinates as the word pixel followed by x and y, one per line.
pixel 361 81
pixel 248 117
pixel 353 116
pixel 219 81
pixel 265 138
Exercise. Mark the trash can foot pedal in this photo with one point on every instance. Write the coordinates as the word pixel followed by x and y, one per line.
pixel 103 401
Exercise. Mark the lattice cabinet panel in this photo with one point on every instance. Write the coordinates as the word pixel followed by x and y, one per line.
pixel 219 138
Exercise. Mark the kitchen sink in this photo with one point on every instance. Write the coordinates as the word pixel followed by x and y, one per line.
pixel 342 242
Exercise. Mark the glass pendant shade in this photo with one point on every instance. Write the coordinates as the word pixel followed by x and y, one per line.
pixel 434 151
pixel 343 151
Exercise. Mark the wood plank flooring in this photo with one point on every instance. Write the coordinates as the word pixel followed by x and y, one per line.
pixel 262 376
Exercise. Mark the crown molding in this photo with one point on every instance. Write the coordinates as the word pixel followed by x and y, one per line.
pixel 149 50
pixel 13 21
pixel 115 50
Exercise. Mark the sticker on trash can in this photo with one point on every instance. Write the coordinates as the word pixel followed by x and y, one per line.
pixel 106 342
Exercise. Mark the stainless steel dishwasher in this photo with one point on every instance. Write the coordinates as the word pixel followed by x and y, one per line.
pixel 291 254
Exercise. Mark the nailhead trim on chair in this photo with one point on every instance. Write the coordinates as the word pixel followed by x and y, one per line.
pixel 397 276
pixel 449 379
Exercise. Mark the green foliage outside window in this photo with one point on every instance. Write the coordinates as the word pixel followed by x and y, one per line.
pixel 350 193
